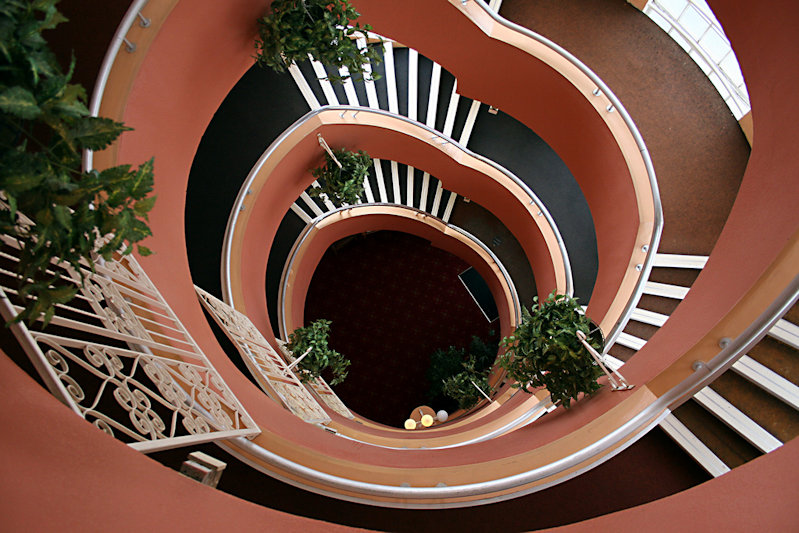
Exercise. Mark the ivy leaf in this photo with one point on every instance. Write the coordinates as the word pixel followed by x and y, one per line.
pixel 19 102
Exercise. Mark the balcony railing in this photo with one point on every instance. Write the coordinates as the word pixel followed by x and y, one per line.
pixel 119 357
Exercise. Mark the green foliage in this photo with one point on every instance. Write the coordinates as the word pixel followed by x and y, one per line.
pixel 544 351
pixel 447 363
pixel 443 365
pixel 44 127
pixel 322 28
pixel 321 357
pixel 342 185
pixel 461 386
pixel 485 353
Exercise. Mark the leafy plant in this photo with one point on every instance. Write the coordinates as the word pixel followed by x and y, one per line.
pixel 322 28
pixel 443 365
pixel 449 362
pixel 342 185
pixel 544 351
pixel 321 356
pixel 461 386
pixel 44 127
pixel 484 352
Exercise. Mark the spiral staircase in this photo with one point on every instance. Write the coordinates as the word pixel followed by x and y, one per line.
pixel 682 347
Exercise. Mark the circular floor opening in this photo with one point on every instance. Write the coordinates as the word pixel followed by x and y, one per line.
pixel 393 300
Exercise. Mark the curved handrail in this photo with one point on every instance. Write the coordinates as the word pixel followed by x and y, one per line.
pixel 606 447
pixel 602 88
pixel 298 243
pixel 244 191
pixel 133 12
pixel 739 97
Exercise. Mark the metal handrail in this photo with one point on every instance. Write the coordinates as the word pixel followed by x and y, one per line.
pixel 652 246
pixel 606 447
pixel 120 38
pixel 238 205
pixel 287 267
pixel 733 89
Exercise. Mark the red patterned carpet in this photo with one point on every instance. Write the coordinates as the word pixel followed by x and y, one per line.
pixel 393 300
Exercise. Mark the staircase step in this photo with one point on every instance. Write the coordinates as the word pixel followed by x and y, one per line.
pixel 665 290
pixel 306 69
pixel 449 207
pixel 771 413
pixel 352 96
pixel 309 201
pixel 695 447
pixel 768 380
pixel 287 232
pixel 380 177
pixel 390 76
pixel 725 443
pixel 680 261
pixel 778 357
pixel 424 191
pixel 451 110
pixel 437 195
pixel 786 332
pixel 649 317
pixel 321 74
pixel 737 420
pixel 396 190
pixel 431 114
pixel 368 83
pixel 471 117
pixel 444 99
pixel 300 212
pixel 338 87
pixel 402 78
pixel 304 86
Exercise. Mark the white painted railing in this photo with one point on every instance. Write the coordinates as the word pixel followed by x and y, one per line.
pixel 694 27
pixel 133 13
pixel 119 357
pixel 264 363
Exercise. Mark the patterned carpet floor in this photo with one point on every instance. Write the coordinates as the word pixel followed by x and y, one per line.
pixel 393 299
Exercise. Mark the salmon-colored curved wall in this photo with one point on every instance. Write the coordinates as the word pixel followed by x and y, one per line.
pixel 764 218
pixel 42 465
pixel 291 176
pixel 533 93
pixel 322 239
pixel 64 474
pixel 154 109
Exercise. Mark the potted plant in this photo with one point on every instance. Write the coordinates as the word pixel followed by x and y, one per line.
pixel 469 386
pixel 546 351
pixel 293 29
pixel 309 345
pixel 44 128
pixel 341 177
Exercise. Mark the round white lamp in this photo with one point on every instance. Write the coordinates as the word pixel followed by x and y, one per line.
pixel 442 416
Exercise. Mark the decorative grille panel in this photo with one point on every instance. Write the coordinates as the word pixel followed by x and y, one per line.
pixel 326 394
pixel 320 387
pixel 120 358
pixel 263 362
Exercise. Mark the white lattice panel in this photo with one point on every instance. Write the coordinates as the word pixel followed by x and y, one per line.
pixel 120 358
pixel 264 363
